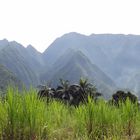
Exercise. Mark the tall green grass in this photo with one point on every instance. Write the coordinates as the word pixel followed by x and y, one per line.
pixel 23 116
pixel 103 121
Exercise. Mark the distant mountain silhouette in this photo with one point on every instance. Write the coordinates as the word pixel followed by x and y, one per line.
pixel 115 54
pixel 110 60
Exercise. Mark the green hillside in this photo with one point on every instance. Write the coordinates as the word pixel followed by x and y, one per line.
pixel 7 78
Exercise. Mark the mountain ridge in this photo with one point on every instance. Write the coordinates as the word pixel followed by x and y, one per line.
pixel 117 55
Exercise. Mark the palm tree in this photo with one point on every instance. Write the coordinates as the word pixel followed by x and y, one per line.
pixel 65 85
pixel 83 88
pixel 46 90
pixel 43 90
pixel 63 90
pixel 84 85
pixel 88 89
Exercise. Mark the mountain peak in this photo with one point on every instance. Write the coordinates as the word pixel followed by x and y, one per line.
pixel 4 41
pixel 31 49
pixel 16 44
pixel 73 35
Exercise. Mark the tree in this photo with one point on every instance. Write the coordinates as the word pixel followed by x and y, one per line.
pixel 122 96
pixel 65 85
pixel 46 91
pixel 62 91
pixel 88 89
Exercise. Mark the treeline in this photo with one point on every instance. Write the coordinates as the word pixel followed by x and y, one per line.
pixel 74 94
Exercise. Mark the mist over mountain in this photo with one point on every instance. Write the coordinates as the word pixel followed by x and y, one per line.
pixel 109 60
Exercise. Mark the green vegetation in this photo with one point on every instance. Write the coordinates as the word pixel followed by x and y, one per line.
pixel 26 117
pixel 8 78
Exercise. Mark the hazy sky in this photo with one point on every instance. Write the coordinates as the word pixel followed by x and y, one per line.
pixel 40 22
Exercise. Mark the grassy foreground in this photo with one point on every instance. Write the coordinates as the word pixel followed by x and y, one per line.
pixel 25 117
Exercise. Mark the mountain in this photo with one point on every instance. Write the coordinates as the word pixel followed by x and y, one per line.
pixel 133 82
pixel 35 55
pixel 3 43
pixel 72 66
pixel 73 41
pixel 117 55
pixel 7 78
pixel 106 58
pixel 21 61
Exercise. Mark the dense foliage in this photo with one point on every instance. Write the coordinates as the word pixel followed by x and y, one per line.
pixel 72 94
pixel 27 117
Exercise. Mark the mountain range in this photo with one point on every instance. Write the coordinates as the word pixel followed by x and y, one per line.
pixel 110 61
